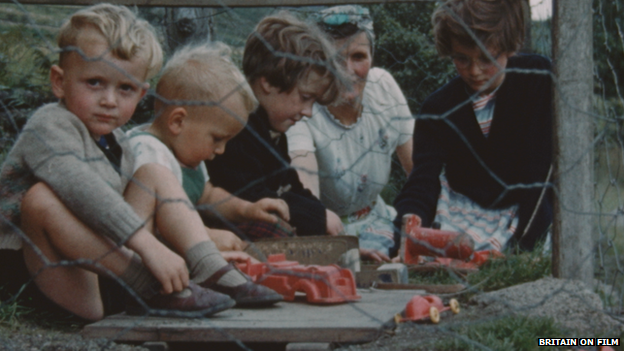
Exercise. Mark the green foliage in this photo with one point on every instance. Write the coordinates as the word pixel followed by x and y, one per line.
pixel 25 61
pixel 405 48
pixel 12 312
pixel 508 333
pixel 609 47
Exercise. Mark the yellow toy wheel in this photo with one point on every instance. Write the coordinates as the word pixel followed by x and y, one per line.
pixel 454 304
pixel 397 318
pixel 434 314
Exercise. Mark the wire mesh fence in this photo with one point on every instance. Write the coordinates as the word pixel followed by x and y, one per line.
pixel 405 48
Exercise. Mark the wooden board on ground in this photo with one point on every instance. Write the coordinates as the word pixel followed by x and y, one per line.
pixel 367 278
pixel 357 322
pixel 321 250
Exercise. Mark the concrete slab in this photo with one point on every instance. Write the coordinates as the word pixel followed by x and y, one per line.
pixel 286 322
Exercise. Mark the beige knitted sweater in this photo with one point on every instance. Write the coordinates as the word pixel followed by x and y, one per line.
pixel 56 148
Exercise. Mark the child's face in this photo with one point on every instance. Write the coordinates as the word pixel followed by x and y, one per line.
pixel 286 108
pixel 104 92
pixel 356 52
pixel 203 136
pixel 476 69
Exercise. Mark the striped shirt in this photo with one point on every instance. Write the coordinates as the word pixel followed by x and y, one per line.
pixel 483 107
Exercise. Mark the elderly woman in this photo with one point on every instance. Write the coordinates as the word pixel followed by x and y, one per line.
pixel 343 153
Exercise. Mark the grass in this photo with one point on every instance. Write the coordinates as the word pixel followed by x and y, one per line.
pixel 16 312
pixel 12 312
pixel 508 333
pixel 496 274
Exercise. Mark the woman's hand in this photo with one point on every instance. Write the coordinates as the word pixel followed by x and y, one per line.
pixel 334 224
pixel 374 255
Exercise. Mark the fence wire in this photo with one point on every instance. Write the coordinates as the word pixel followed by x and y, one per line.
pixel 404 47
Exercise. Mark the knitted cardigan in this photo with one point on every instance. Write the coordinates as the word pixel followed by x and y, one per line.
pixel 56 148
pixel 517 152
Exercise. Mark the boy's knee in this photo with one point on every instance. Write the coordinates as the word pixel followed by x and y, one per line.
pixel 37 200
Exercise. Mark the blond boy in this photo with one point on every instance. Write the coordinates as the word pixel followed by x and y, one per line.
pixel 62 182
pixel 203 101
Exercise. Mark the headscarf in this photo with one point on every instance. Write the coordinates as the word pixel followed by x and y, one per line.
pixel 334 17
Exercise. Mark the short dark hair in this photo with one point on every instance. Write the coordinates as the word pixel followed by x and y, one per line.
pixel 284 50
pixel 495 23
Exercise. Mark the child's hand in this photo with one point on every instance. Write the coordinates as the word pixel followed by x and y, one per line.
pixel 267 210
pixel 167 266
pixel 334 224
pixel 226 240
pixel 238 256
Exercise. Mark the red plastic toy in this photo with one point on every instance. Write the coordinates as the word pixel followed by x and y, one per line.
pixel 433 242
pixel 428 307
pixel 450 249
pixel 321 284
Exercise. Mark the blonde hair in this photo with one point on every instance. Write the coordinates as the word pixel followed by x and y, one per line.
pixel 199 74
pixel 284 50
pixel 127 35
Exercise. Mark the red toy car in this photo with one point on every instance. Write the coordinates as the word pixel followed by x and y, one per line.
pixel 450 249
pixel 321 284
pixel 428 307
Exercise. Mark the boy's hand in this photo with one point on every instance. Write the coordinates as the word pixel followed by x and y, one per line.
pixel 334 224
pixel 238 257
pixel 167 266
pixel 374 255
pixel 226 240
pixel 267 210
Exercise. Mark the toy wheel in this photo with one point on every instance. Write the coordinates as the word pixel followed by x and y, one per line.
pixel 434 314
pixel 454 304
pixel 397 318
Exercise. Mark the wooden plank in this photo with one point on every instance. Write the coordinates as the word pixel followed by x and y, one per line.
pixel 357 322
pixel 322 250
pixel 210 3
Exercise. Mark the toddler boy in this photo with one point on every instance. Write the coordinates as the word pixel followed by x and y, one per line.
pixel 289 65
pixel 203 101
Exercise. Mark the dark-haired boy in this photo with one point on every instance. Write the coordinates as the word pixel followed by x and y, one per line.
pixel 289 65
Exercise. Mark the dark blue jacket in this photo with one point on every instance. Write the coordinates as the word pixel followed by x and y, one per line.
pixel 492 171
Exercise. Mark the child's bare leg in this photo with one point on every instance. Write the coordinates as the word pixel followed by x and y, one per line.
pixel 59 235
pixel 157 196
pixel 155 193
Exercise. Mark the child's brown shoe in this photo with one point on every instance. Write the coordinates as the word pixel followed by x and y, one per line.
pixel 195 300
pixel 247 294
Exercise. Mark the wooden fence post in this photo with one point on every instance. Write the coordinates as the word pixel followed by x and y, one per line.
pixel 573 247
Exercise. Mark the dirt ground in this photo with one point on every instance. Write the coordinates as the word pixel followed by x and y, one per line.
pixel 570 304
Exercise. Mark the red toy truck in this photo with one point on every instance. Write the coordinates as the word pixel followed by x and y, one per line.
pixel 321 284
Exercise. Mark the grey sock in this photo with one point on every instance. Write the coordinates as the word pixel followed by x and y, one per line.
pixel 204 259
pixel 140 279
